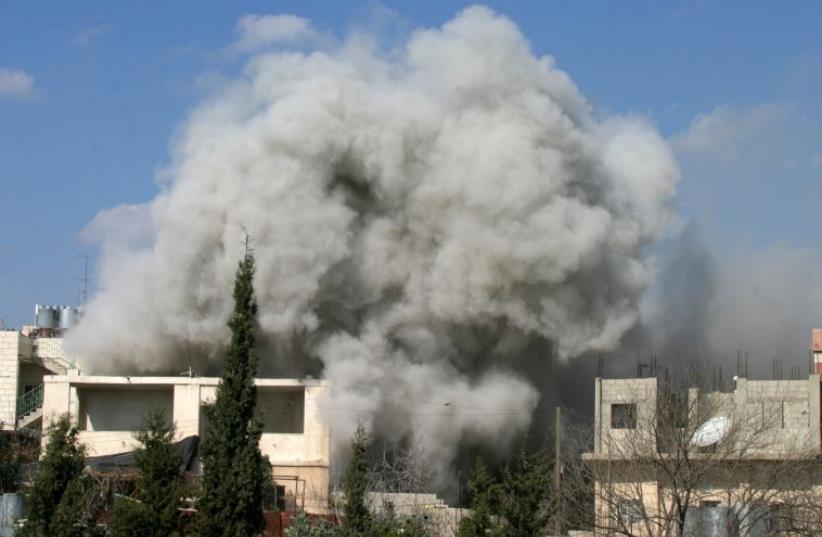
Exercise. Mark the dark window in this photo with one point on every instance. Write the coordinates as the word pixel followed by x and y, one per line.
pixel 121 408
pixel 282 409
pixel 279 498
pixel 630 512
pixel 623 416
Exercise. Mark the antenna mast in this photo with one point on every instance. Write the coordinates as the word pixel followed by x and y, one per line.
pixel 85 279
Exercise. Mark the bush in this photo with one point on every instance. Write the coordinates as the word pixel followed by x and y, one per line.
pixel 302 526
pixel 132 518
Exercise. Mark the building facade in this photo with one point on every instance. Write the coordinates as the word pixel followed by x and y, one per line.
pixel 688 461
pixel 26 357
pixel 108 411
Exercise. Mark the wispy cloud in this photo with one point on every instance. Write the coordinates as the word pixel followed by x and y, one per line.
pixel 15 83
pixel 257 31
pixel 723 132
pixel 93 31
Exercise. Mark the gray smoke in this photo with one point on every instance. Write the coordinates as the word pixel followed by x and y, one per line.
pixel 420 219
pixel 707 308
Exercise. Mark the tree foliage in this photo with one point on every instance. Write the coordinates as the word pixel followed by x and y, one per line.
pixel 302 526
pixel 132 518
pixel 390 526
pixel 357 519
pixel 9 464
pixel 483 489
pixel 77 512
pixel 526 502
pixel 61 466
pixel 154 509
pixel 234 471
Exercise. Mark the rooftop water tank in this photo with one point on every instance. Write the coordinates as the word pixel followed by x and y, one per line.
pixel 69 317
pixel 46 316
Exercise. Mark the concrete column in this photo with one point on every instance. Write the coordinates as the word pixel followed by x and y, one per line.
pixel 815 410
pixel 314 430
pixel 186 413
pixel 597 415
pixel 57 400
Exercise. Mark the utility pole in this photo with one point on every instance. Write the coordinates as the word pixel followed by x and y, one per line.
pixel 558 470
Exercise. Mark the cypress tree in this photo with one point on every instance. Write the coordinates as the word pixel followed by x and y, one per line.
pixel 153 512
pixel 526 504
pixel 357 520
pixel 234 471
pixel 61 465
pixel 483 489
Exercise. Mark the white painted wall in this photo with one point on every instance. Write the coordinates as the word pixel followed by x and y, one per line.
pixel 300 459
pixel 117 404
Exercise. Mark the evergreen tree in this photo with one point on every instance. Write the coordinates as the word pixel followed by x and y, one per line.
pixel 76 513
pixel 153 512
pixel 234 471
pixel 131 517
pixel 357 520
pixel 525 498
pixel 9 463
pixel 483 488
pixel 61 465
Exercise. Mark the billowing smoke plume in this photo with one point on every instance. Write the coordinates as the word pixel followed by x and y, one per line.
pixel 420 219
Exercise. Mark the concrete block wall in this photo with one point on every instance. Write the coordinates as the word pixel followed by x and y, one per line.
pixel 641 392
pixel 783 414
pixel 787 412
pixel 52 347
pixel 9 375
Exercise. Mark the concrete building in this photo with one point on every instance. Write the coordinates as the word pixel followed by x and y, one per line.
pixel 39 381
pixel 28 355
pixel 109 410
pixel 735 458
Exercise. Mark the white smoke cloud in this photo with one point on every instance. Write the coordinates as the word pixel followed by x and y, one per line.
pixel 415 217
pixel 727 132
pixel 257 31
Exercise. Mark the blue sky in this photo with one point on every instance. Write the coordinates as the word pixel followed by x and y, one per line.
pixel 91 94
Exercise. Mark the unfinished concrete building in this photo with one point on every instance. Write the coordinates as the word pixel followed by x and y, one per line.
pixel 676 460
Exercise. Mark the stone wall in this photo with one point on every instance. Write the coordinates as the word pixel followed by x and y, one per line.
pixel 9 375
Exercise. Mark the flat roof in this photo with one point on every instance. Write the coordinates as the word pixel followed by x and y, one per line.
pixel 91 380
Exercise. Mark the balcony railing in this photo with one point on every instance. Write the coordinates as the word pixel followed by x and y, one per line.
pixel 30 401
